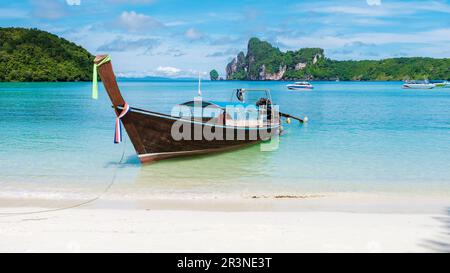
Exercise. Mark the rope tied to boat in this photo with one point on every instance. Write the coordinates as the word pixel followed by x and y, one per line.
pixel 118 130
pixel 94 76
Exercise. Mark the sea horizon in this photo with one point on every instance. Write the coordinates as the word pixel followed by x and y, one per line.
pixel 159 79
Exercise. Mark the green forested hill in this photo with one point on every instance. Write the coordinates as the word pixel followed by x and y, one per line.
pixel 383 70
pixel 265 62
pixel 35 55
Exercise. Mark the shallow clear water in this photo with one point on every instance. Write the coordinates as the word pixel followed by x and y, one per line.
pixel 361 137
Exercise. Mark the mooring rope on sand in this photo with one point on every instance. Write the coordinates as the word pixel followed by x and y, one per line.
pixel 100 195
pixel 117 139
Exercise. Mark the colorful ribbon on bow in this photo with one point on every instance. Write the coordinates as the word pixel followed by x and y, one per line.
pixel 94 76
pixel 118 131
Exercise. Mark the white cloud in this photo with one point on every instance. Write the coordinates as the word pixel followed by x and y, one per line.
pixel 164 71
pixel 73 2
pixel 378 9
pixel 121 44
pixel 353 10
pixel 133 21
pixel 175 52
pixel 171 51
pixel 226 53
pixel 176 23
pixel 193 34
pixel 438 39
pixel 373 2
pixel 174 72
pixel 168 70
pixel 378 38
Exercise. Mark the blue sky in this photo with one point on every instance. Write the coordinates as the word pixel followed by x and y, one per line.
pixel 185 37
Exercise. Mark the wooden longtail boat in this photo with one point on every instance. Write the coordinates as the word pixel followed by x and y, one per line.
pixel 152 133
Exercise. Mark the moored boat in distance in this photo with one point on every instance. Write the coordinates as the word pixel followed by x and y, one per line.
pixel 193 127
pixel 300 86
pixel 418 85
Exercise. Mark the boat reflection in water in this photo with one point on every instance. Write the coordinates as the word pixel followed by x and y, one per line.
pixel 225 171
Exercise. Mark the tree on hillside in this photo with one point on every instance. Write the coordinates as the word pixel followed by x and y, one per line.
pixel 310 63
pixel 33 55
pixel 214 75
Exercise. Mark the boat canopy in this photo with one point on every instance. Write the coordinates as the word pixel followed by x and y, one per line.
pixel 225 104
pixel 240 109
pixel 437 81
pixel 417 82
pixel 218 104
pixel 204 104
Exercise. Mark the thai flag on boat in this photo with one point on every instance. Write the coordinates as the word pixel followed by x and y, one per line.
pixel 118 130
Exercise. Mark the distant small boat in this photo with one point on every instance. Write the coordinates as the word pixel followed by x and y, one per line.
pixel 418 85
pixel 300 86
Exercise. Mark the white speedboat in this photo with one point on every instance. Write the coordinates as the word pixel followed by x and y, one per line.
pixel 418 85
pixel 300 86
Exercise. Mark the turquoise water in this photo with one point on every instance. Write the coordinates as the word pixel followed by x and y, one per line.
pixel 361 137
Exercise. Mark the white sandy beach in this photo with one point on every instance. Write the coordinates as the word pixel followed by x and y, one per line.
pixel 359 223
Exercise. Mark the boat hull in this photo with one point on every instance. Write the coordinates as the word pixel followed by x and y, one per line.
pixel 152 135
pixel 418 86
pixel 300 87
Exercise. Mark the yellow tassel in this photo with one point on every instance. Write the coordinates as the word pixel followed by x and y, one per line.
pixel 94 76
pixel 94 83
